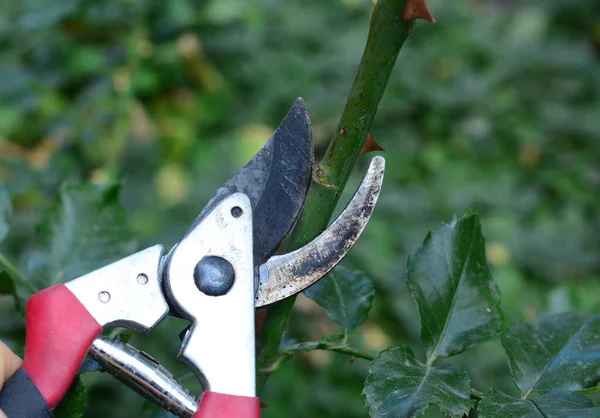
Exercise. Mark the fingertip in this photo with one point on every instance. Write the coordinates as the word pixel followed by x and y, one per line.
pixel 2 414
pixel 10 362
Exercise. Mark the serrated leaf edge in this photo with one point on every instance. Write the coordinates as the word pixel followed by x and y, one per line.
pixel 525 395
pixel 369 379
pixel 421 248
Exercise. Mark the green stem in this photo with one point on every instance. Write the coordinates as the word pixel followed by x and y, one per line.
pixel 323 345
pixel 290 351
pixel 387 34
pixel 476 394
pixel 349 351
pixel 590 391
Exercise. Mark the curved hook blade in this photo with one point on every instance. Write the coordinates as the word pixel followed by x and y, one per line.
pixel 285 275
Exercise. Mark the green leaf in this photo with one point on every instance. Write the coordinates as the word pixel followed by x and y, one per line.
pixel 496 404
pixel 12 282
pixel 560 404
pixel 398 385
pixel 124 336
pixel 346 295
pixel 73 404
pixel 557 352
pixel 7 285
pixel 449 279
pixel 87 230
pixel 5 211
pixel 556 404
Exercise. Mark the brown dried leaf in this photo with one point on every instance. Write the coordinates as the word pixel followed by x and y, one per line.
pixel 371 145
pixel 417 9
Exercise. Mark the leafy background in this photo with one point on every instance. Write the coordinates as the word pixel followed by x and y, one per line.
pixel 495 108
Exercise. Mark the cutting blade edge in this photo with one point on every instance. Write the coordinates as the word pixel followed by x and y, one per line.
pixel 275 180
pixel 285 275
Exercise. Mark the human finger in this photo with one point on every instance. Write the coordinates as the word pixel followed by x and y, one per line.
pixel 9 363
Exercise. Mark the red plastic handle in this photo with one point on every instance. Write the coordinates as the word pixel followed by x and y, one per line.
pixel 219 405
pixel 59 332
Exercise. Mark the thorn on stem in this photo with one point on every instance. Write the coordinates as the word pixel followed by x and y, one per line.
pixel 371 145
pixel 417 9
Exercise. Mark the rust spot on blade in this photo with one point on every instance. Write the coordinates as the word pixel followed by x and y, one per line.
pixel 417 9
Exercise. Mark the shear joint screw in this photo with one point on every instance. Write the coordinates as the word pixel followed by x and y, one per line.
pixel 214 276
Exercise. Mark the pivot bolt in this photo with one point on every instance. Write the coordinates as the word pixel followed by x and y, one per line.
pixel 214 276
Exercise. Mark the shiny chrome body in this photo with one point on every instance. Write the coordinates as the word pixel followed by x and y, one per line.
pixel 144 375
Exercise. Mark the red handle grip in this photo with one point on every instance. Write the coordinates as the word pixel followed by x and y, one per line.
pixel 219 405
pixel 59 332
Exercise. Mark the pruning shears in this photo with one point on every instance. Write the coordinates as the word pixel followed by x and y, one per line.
pixel 222 269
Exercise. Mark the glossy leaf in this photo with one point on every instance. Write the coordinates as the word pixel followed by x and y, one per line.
pixel 556 404
pixel 496 404
pixel 449 279
pixel 73 404
pixel 5 211
pixel 398 385
pixel 12 282
pixel 346 295
pixel 557 352
pixel 87 230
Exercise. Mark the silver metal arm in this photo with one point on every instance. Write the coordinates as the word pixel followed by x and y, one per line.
pixel 144 375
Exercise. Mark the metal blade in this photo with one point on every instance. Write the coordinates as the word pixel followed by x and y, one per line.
pixel 275 180
pixel 285 275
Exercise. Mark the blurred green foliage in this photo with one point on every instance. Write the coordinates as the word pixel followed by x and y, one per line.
pixel 495 108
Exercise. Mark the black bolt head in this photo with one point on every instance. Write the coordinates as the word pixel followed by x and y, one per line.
pixel 214 276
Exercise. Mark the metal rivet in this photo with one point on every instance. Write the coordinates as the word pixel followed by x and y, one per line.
pixel 236 211
pixel 214 276
pixel 104 297
pixel 142 279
